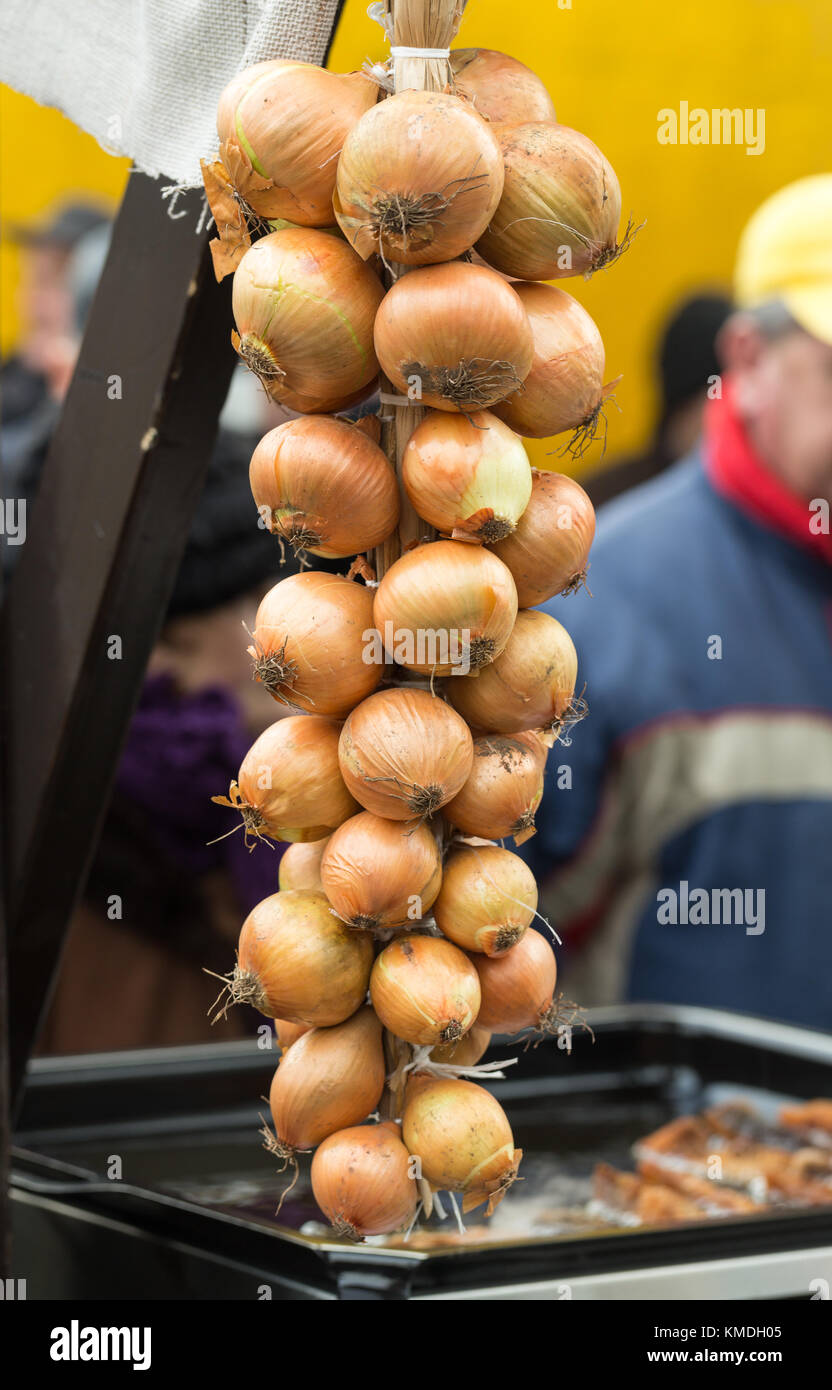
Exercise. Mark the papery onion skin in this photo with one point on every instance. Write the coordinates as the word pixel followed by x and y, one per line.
pixel 500 87
pixel 466 1051
pixel 504 790
pixel 518 988
pixel 424 991
pixel 455 336
pixel 300 866
pixel 548 552
pixel 291 779
pixel 435 594
pixel 404 753
pixel 309 645
pixel 288 1033
pixel 322 485
pixel 565 388
pixel 467 475
pixel 290 119
pixel 419 178
pixel 304 304
pixel 462 1136
pixel 361 1180
pixel 487 900
pixel 531 685
pixel 331 1078
pixel 296 961
pixel 560 208
pixel 380 873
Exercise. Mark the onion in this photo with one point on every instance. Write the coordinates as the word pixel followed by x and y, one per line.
pixel 518 989
pixel 548 553
pixel 529 686
pixel 418 179
pixel 560 208
pixel 361 1180
pixel 425 990
pixel 310 643
pixel 404 753
pixel 462 1136
pixel 300 866
pixel 288 1033
pixel 290 786
pixel 325 487
pixel 304 304
pixel 378 874
pixel 466 1051
pixel 331 1077
pixel 487 899
pixel 454 337
pixel 501 88
pixel 281 125
pixel 447 606
pixel 296 961
pixel 504 789
pixel 564 389
pixel 467 475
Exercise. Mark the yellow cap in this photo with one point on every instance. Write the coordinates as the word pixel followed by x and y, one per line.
pixel 785 253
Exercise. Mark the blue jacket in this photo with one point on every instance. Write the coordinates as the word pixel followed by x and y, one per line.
pixel 705 764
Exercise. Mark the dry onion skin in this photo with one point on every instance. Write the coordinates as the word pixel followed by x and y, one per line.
pixel 304 304
pixel 288 1033
pixel 487 900
pixel 531 685
pixel 425 990
pixel 379 874
pixel 300 866
pixel 419 178
pixel 518 989
pixel 443 607
pixel 404 753
pixel 469 476
pixel 466 1051
pixel 325 487
pixel 560 208
pixel 330 1078
pixel 296 961
pixel 454 337
pixel 564 389
pixel 281 125
pixel 504 790
pixel 548 552
pixel 309 645
pixel 501 88
pixel 362 1181
pixel 462 1136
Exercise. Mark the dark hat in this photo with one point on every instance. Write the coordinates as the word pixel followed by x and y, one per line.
pixel 65 227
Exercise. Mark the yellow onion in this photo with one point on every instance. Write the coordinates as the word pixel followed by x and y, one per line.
pixel 324 486
pixel 501 88
pixel 300 865
pixel 304 304
pixel 462 1136
pixel 330 1078
pixel 548 553
pixel 531 685
pixel 518 988
pixel 362 1181
pixel 326 405
pixel 425 990
pixel 289 785
pixel 418 179
pixel 560 208
pixel 466 1051
pixel 444 606
pixel 281 125
pixel 288 1033
pixel 454 337
pixel 487 899
pixel 379 873
pixel 404 753
pixel 469 476
pixel 310 642
pixel 296 961
pixel 564 389
pixel 504 789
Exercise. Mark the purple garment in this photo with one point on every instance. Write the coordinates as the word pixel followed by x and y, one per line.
pixel 181 751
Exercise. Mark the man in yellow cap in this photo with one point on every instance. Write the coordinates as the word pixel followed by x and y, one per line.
pixel 684 837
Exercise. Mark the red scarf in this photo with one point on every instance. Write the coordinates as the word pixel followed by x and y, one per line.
pixel 739 475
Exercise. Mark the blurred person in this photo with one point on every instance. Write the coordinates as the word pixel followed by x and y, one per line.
pixel 688 862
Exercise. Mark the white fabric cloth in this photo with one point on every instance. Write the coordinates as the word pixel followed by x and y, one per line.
pixel 144 76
